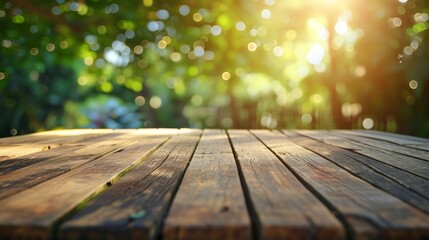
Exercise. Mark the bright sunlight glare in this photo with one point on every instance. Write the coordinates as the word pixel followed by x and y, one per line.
pixel 341 27
pixel 315 54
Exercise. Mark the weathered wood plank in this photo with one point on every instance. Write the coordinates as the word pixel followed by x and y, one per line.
pixel 410 141
pixel 32 213
pixel 16 163
pixel 52 134
pixel 412 165
pixel 12 147
pixel 369 211
pixel 133 207
pixel 400 184
pixel 36 168
pixel 409 180
pixel 284 208
pixel 381 144
pixel 210 202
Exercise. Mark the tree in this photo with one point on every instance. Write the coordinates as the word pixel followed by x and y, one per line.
pixel 222 63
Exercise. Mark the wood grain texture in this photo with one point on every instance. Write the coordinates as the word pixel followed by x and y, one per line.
pixel 411 181
pixel 389 146
pixel 12 147
pixel 402 185
pixel 240 184
pixel 32 213
pixel 133 207
pixel 369 211
pixel 47 135
pixel 42 166
pixel 412 165
pixel 285 209
pixel 210 202
pixel 410 141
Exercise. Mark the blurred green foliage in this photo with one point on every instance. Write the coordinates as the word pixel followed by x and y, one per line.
pixel 219 63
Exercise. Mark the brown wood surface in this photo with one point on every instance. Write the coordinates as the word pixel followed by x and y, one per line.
pixel 401 184
pixel 369 211
pixel 415 142
pixel 134 206
pixel 210 202
pixel 32 213
pixel 214 184
pixel 412 165
pixel 385 145
pixel 12 147
pixel 411 181
pixel 48 135
pixel 42 166
pixel 284 207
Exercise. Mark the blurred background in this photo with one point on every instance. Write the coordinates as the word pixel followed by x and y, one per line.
pixel 313 64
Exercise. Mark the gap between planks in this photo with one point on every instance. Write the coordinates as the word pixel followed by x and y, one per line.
pixel 370 211
pixel 31 214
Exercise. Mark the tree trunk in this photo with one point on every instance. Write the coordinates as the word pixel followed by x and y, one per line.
pixel 333 75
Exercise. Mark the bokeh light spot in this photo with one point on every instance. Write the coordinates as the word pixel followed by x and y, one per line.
pixel 266 14
pixel 34 51
pixel 18 19
pixel 2 76
pixel 6 43
pixel 316 98
pixel 216 30
pixel 278 51
pixel 240 26
pixel 360 71
pixel 88 61
pixel 395 22
pixel 162 44
pixel 196 100
pixel 147 3
pixel 316 54
pixel 408 50
pixel 184 10
pixel 413 84
pixel 306 118
pixel 139 101
pixel 368 123
pixel 64 44
pixel 185 49
pixel 197 17
pixel 101 29
pixel 50 47
pixel 226 76
pixel 106 87
pixel 193 71
pixel 155 102
pixel 138 49
pixel 252 46
pixel 162 14
pixel 13 132
pixel 414 44
pixel 82 80
pixel 175 56
pixel 121 79
pixel 199 51
pixel 34 75
pixel 341 27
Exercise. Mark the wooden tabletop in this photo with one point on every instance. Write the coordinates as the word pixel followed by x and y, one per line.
pixel 214 184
